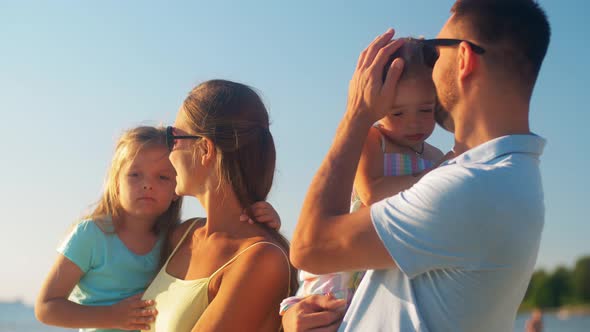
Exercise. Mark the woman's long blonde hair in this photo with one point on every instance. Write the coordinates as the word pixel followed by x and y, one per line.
pixel 108 209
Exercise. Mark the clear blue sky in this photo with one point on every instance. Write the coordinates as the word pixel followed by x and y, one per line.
pixel 74 75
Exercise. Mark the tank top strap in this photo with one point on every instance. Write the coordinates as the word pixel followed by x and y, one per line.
pixel 377 126
pixel 249 247
pixel 188 230
pixel 382 142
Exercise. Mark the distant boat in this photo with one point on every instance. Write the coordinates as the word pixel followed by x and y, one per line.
pixel 571 311
pixel 563 314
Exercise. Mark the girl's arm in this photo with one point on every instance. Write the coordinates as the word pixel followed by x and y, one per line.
pixel 249 294
pixel 53 307
pixel 369 182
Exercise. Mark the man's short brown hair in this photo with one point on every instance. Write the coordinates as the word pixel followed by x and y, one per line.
pixel 515 33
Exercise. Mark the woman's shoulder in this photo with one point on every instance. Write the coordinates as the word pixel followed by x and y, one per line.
pixel 266 254
pixel 183 228
pixel 265 261
pixel 264 246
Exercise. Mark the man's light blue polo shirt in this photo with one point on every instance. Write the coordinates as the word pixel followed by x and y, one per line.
pixel 465 240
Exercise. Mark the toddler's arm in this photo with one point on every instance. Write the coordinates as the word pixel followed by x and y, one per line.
pixel 369 182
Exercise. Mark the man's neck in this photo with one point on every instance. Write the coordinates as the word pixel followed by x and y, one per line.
pixel 487 119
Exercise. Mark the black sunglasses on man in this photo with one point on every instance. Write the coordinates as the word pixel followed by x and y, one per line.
pixel 453 42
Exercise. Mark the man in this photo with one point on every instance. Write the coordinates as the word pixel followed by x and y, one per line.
pixel 456 251
pixel 535 322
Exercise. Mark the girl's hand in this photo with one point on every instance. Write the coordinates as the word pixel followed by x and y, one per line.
pixel 133 313
pixel 263 213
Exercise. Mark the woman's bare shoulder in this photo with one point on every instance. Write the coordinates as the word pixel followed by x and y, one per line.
pixel 267 256
pixel 179 231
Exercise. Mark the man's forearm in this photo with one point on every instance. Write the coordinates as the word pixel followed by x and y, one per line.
pixel 329 193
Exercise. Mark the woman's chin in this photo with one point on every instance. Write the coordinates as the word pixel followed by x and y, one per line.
pixel 180 192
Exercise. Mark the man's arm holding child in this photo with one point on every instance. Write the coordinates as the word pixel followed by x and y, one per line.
pixel 327 238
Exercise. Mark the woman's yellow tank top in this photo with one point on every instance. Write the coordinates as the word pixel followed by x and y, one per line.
pixel 180 303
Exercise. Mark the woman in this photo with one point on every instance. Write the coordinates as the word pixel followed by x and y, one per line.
pixel 223 274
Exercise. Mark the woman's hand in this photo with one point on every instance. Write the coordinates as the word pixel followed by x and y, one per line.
pixel 133 313
pixel 315 313
pixel 264 213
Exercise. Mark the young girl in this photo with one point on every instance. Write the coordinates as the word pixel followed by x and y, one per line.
pixel 395 155
pixel 109 259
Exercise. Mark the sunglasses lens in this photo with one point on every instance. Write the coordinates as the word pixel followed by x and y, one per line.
pixel 170 137
pixel 430 54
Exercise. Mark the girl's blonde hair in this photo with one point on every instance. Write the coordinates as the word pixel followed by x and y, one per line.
pixel 108 209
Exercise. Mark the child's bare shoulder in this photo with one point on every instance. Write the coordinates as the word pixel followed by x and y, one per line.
pixel 432 153
pixel 379 140
pixel 372 142
pixel 374 135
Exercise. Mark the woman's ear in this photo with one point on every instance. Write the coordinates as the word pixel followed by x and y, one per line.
pixel 209 152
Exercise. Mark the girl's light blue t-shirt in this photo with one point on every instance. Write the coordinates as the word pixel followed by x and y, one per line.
pixel 111 272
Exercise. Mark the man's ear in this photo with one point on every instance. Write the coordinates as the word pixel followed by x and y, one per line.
pixel 468 60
